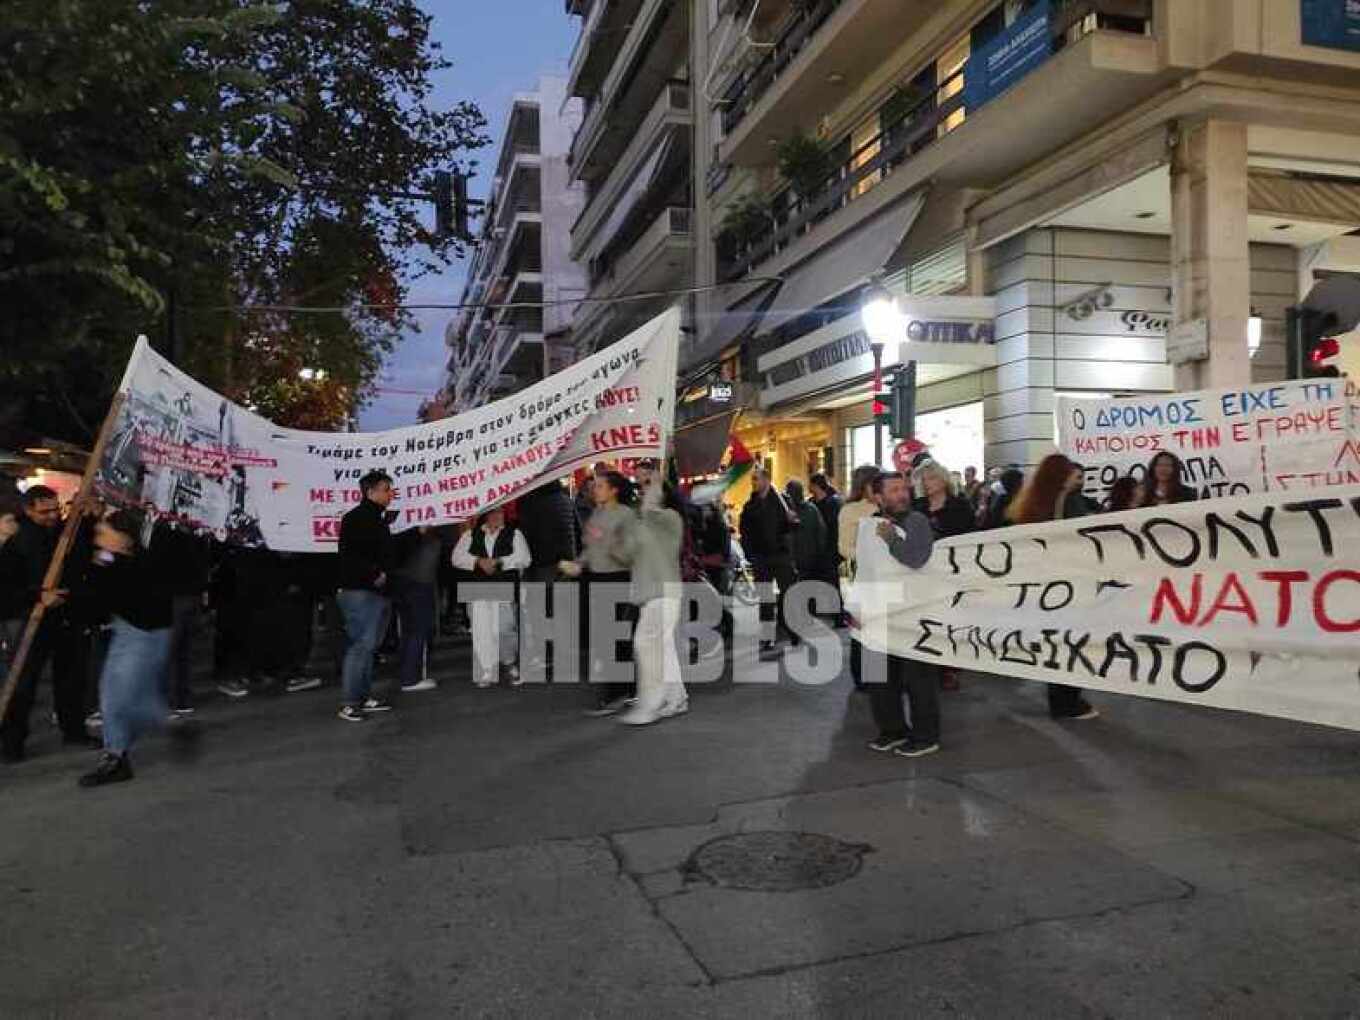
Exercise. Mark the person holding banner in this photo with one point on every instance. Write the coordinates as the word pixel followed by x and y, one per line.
pixel 493 553
pixel 1047 496
pixel 365 560
pixel 1165 481
pixel 127 586
pixel 907 534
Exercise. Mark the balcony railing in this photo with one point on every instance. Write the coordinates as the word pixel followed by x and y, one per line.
pixel 747 89
pixel 1067 21
pixel 933 116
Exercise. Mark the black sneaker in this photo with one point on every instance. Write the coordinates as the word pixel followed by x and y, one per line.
pixel 353 713
pixel 112 768
pixel 377 705
pixel 916 749
pixel 1085 711
pixel 884 745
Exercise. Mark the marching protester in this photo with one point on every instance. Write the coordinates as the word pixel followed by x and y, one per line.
pixel 811 547
pixel 1078 503
pixel 940 500
pixel 1125 494
pixel 548 520
pixel 11 579
pixel 863 503
pixel 493 551
pixel 63 637
pixel 766 528
pixel 125 586
pixel 908 538
pixel 972 487
pixel 996 513
pixel 181 560
pixel 653 548
pixel 414 597
pixel 604 559
pixel 365 563
pixel 828 503
pixel 1164 481
pixel 1047 496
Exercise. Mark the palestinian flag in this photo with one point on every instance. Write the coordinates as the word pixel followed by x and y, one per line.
pixel 739 462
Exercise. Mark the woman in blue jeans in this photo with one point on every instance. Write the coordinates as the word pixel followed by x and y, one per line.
pixel 124 585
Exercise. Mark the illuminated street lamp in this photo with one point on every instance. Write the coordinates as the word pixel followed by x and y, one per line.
pixel 312 374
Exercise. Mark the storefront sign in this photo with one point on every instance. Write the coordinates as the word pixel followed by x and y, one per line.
pixel 947 330
pixel 1298 436
pixel 720 393
pixel 1334 24
pixel 1000 63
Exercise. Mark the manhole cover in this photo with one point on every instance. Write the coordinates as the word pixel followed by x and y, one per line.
pixel 776 861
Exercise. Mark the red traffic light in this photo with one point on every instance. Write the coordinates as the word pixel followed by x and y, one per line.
pixel 1327 348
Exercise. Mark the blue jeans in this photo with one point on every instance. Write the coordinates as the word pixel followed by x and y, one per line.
pixel 365 614
pixel 415 609
pixel 131 685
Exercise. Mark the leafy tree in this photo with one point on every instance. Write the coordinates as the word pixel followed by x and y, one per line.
pixel 164 163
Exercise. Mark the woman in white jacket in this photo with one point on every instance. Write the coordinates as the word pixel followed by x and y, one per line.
pixel 494 553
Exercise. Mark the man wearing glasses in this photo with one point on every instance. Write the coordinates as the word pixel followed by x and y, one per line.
pixel 59 639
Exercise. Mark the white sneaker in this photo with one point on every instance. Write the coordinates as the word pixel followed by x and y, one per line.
pixel 485 680
pixel 421 685
pixel 512 671
pixel 302 683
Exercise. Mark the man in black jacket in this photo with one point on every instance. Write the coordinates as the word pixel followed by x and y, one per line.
pixel 365 560
pixel 548 518
pixel 62 639
pixel 766 527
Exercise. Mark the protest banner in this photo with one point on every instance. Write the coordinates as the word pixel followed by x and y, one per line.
pixel 1295 435
pixel 1249 603
pixel 184 452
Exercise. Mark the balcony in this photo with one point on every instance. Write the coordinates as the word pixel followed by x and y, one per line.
pixel 820 41
pixel 597 44
pixel 1093 75
pixel 643 62
pixel 660 259
pixel 669 120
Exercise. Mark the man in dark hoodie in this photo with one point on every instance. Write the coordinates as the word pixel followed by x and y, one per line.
pixel 766 528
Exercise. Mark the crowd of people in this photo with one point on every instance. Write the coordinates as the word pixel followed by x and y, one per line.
pixel 119 627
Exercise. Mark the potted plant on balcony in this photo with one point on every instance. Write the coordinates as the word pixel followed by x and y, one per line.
pixel 747 219
pixel 803 163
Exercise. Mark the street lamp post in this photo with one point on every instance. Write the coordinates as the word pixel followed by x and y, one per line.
pixel 883 322
pixel 877 349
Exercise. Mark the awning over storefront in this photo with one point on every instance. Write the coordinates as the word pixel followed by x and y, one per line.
pixel 844 264
pixel 732 325
pixel 699 448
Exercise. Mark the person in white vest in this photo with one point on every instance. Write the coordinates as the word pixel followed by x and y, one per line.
pixel 495 553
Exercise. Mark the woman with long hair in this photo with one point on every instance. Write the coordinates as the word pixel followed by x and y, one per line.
pixel 1125 494
pixel 1045 497
pixel 493 552
pixel 1164 481
pixel 605 559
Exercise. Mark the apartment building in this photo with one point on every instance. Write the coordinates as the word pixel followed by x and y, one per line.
pixel 1058 191
pixel 633 155
pixel 522 256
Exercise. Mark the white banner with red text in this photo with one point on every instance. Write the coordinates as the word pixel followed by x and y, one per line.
pixel 182 451
pixel 1249 603
pixel 1300 434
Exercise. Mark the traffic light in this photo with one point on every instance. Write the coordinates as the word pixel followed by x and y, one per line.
pixel 903 406
pixel 1312 343
pixel 450 205
pixel 883 409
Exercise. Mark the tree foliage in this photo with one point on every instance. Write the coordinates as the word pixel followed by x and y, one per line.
pixel 164 163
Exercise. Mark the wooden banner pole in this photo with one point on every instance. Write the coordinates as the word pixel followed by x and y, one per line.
pixel 54 569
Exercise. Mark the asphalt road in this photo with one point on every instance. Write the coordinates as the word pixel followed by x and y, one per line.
pixel 493 853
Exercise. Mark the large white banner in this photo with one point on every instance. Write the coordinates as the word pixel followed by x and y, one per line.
pixel 181 450
pixel 1295 435
pixel 1249 603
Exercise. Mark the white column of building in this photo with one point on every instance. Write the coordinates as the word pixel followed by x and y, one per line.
pixel 1210 260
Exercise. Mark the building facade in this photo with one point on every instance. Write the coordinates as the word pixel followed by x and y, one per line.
pixel 1054 188
pixel 522 257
